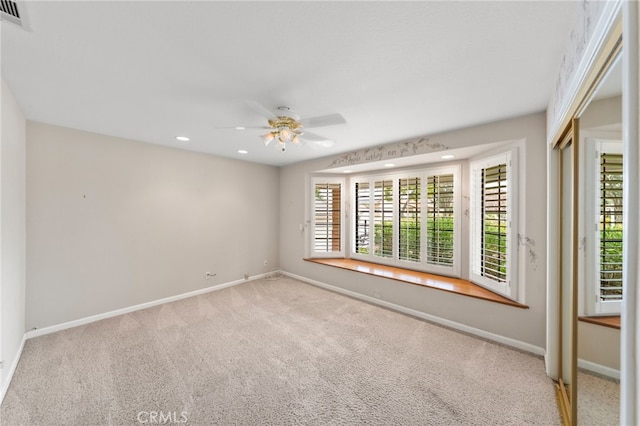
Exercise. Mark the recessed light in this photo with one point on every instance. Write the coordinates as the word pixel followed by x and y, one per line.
pixel 240 128
pixel 346 171
pixel 243 151
pixel 389 165
pixel 448 156
pixel 182 138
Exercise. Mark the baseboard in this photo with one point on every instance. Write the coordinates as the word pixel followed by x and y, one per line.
pixel 12 370
pixel 87 320
pixel 599 369
pixel 432 318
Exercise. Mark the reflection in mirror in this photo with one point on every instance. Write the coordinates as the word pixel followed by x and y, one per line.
pixel 600 267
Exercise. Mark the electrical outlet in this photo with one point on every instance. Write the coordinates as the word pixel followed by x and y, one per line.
pixel 246 276
pixel 376 292
pixel 208 275
pixel 265 263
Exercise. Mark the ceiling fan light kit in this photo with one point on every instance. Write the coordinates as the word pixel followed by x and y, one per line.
pixel 286 129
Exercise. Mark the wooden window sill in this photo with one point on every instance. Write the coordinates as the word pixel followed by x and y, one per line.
pixel 612 321
pixel 438 282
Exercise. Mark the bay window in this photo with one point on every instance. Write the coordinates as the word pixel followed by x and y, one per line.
pixel 413 218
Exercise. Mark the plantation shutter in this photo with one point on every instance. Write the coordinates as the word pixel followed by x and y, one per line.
pixel 409 219
pixel 363 217
pixel 494 227
pixel 440 220
pixel 611 202
pixel 383 218
pixel 327 213
pixel 492 241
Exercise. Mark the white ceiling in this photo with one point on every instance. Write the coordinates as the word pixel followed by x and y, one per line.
pixel 150 71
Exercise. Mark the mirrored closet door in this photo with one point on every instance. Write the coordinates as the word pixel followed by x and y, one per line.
pixel 590 228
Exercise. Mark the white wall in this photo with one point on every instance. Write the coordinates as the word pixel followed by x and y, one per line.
pixel 600 347
pixel 527 326
pixel 12 235
pixel 113 223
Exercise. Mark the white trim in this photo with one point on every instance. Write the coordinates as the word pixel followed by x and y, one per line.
pixel 12 370
pixel 527 347
pixel 599 369
pixel 93 318
pixel 552 335
pixel 630 327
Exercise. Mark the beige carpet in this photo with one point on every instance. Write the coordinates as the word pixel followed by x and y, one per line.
pixel 274 352
pixel 598 400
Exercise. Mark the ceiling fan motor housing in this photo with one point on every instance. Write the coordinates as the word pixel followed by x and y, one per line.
pixel 285 111
pixel 285 122
pixel 286 119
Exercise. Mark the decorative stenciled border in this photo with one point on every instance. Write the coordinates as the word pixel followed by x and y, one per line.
pixel 386 152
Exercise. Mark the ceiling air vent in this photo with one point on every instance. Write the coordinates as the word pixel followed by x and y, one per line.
pixel 9 12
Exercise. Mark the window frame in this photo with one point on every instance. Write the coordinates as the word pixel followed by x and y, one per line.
pixel 592 305
pixel 395 176
pixel 316 180
pixel 510 287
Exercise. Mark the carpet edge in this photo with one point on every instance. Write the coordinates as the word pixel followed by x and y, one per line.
pixel 93 318
pixel 507 341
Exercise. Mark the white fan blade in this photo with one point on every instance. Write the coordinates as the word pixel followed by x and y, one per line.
pixel 243 127
pixel 317 140
pixel 261 109
pixel 323 120
pixel 325 143
pixel 313 137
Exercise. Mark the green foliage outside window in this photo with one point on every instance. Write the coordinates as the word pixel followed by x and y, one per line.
pixel 611 262
pixel 495 253
pixel 439 239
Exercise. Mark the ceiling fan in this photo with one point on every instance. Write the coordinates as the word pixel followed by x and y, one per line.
pixel 286 127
